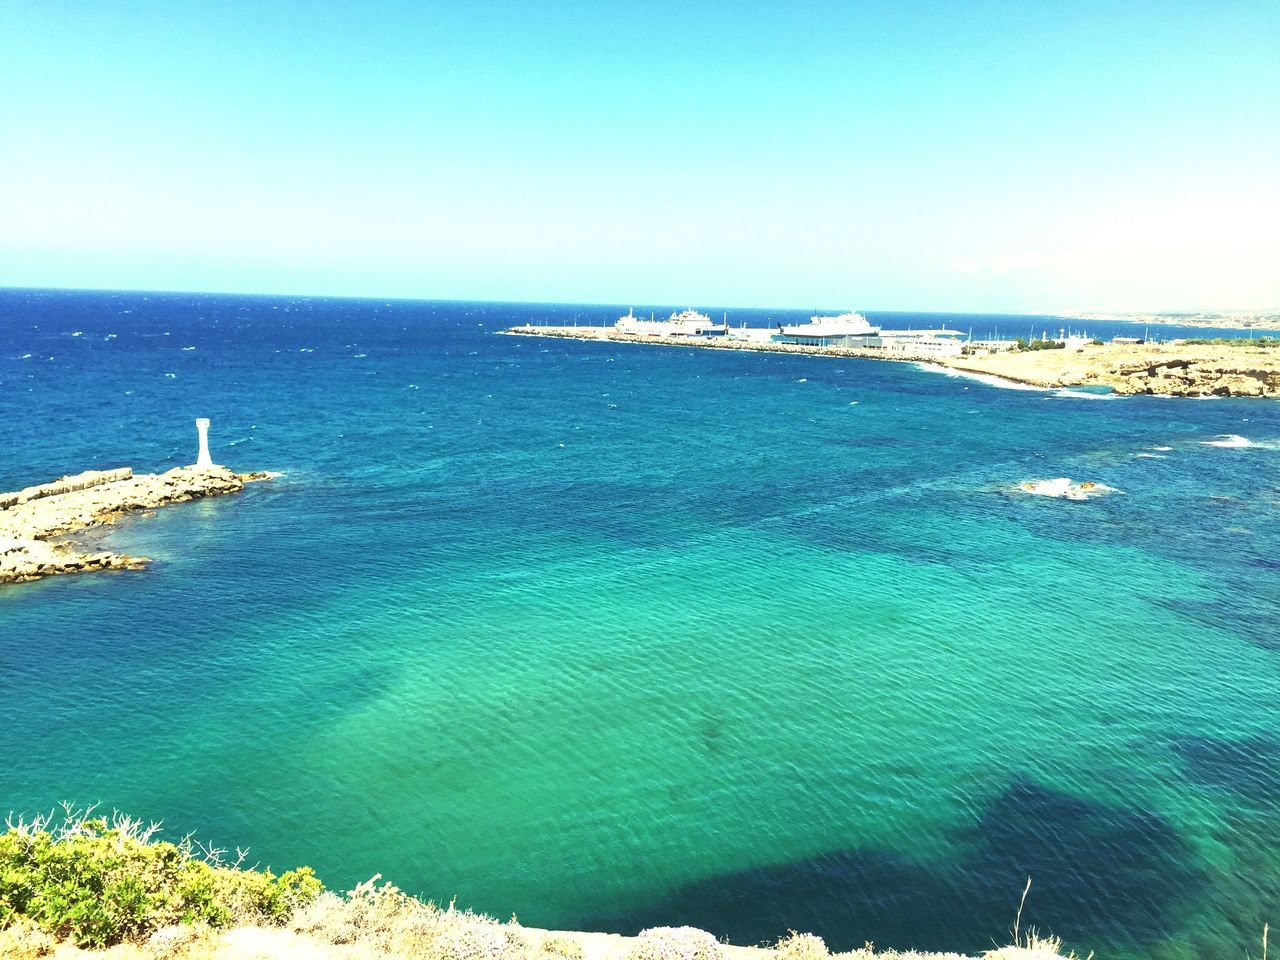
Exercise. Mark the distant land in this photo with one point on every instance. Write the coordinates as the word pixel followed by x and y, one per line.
pixel 1226 319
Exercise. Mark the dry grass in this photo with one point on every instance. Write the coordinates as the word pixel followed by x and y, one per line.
pixel 675 943
pixel 381 923
pixel 387 921
pixel 1031 946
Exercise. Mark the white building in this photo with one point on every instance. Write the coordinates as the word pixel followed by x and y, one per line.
pixel 992 346
pixel 932 343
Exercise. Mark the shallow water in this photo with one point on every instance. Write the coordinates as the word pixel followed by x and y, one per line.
pixel 607 635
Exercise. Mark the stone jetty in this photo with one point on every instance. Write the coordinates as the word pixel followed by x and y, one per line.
pixel 718 343
pixel 37 523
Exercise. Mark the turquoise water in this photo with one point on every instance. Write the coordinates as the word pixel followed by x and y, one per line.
pixel 607 635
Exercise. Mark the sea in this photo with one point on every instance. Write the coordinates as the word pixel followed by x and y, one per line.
pixel 607 636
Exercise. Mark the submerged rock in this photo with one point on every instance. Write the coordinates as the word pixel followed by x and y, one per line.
pixel 1065 488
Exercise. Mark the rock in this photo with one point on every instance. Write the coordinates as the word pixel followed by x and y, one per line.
pixel 31 516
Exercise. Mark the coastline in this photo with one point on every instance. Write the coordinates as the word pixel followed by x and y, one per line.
pixel 990 379
pixel 188 903
pixel 1244 369
pixel 1225 320
pixel 502 941
pixel 35 522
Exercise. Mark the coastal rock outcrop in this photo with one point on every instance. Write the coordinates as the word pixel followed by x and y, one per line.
pixel 31 517
pixel 1190 379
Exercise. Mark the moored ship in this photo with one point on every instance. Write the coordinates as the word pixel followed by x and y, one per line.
pixel 685 323
pixel 822 328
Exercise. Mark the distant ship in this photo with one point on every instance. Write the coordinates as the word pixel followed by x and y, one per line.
pixel 844 325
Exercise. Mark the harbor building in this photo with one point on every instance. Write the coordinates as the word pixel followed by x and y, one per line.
pixel 853 331
pixel 991 346
pixel 932 343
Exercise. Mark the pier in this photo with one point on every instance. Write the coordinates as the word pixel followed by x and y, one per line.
pixel 723 343
pixel 1177 369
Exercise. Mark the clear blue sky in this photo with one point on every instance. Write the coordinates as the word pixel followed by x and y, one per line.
pixel 964 156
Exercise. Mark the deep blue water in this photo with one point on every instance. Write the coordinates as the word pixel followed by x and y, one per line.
pixel 608 635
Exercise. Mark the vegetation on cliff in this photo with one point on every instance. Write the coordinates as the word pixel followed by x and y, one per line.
pixel 77 882
pixel 99 881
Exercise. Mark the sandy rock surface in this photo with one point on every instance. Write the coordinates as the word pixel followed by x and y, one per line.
pixel 1177 370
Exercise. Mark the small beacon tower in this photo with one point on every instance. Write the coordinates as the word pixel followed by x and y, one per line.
pixel 202 428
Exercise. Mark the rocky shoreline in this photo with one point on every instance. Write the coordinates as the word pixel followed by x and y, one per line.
pixel 34 521
pixel 1167 370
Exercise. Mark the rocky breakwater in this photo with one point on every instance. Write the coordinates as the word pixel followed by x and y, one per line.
pixel 36 523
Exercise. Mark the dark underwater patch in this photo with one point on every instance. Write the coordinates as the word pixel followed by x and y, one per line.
pixel 1101 875
pixel 1249 767
pixel 1248 615
pixel 848 897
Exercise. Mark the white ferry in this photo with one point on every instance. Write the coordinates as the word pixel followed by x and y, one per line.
pixel 825 328
pixel 686 323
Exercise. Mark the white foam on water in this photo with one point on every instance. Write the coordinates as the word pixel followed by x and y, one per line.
pixel 188 348
pixel 1151 456
pixel 1162 449
pixel 988 379
pixel 1233 440
pixel 1085 395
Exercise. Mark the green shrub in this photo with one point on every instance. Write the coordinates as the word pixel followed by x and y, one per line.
pixel 99 882
pixel 1233 341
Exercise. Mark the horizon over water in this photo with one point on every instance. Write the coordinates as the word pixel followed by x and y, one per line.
pixel 611 636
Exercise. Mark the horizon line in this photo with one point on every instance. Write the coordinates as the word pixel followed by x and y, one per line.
pixel 1098 313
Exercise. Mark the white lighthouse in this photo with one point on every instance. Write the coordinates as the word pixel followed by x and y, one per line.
pixel 202 428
